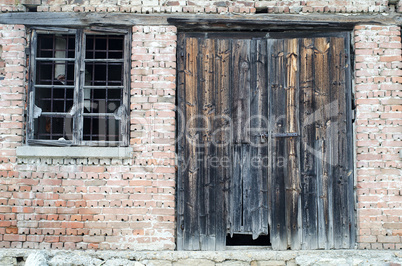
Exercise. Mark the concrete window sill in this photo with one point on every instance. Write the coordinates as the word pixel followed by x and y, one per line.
pixel 74 152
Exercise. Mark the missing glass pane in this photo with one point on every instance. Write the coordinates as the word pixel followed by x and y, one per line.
pixel 104 47
pixel 101 129
pixel 55 73
pixel 56 46
pixel 53 128
pixel 55 99
pixel 104 82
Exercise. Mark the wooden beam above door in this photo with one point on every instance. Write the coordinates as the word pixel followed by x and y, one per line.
pixel 201 21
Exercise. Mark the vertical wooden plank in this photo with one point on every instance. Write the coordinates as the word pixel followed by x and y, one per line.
pixel 277 124
pixel 307 135
pixel 180 135
pixel 259 145
pixel 262 85
pixel 191 231
pixel 202 149
pixel 335 144
pixel 321 81
pixel 248 190
pixel 345 132
pixel 240 113
pixel 251 182
pixel 351 199
pixel 236 190
pixel 222 138
pixel 242 50
pixel 340 150
pixel 208 169
pixel 292 179
pixel 241 89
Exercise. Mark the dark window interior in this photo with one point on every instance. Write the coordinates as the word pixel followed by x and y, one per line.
pixel 54 88
pixel 101 87
pixel 103 92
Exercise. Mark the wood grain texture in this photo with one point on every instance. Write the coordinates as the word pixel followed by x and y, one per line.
pixel 259 146
pixel 208 172
pixel 180 135
pixel 322 92
pixel 307 133
pixel 295 93
pixel 278 146
pixel 191 189
pixel 292 180
pixel 222 139
pixel 218 21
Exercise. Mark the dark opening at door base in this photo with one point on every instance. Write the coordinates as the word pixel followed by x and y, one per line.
pixel 247 240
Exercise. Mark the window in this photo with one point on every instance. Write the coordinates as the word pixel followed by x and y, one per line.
pixel 79 88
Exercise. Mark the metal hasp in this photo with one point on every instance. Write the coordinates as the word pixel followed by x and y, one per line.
pixel 285 135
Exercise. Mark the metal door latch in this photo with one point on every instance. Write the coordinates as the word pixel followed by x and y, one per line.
pixel 285 135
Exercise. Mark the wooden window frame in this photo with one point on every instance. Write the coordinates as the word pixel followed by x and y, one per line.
pixel 76 112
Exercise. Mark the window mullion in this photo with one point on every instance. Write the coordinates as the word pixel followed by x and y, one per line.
pixel 79 82
pixel 126 90
pixel 32 82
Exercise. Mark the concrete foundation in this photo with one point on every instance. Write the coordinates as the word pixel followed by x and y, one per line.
pixel 251 257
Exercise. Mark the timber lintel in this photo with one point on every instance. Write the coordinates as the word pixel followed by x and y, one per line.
pixel 201 21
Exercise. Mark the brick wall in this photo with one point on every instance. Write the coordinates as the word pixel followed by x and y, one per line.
pixel 94 203
pixel 11 6
pixel 378 136
pixel 120 204
pixel 212 6
pixel 12 104
pixel 12 97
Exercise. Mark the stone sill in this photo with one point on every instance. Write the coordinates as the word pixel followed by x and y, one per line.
pixel 74 152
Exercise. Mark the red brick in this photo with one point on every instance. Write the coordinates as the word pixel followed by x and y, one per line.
pixel 13 237
pixel 390 58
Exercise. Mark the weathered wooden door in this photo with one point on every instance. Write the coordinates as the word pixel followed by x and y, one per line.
pixel 264 140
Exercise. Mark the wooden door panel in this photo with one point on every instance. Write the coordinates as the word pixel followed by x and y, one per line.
pixel 248 185
pixel 312 203
pixel 264 141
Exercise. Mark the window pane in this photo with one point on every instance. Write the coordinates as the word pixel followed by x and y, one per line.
pixel 56 46
pixel 102 100
pixel 103 74
pixel 53 128
pixel 115 74
pixel 54 73
pixel 101 129
pixel 104 47
pixel 54 99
